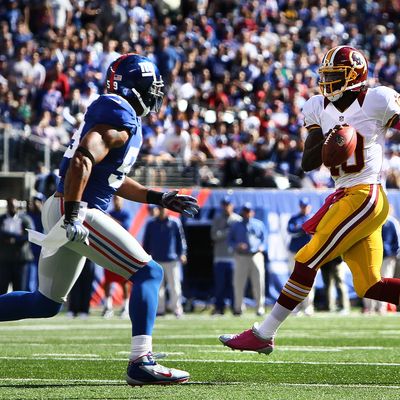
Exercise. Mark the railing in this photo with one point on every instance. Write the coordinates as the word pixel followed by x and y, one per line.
pixel 21 151
pixel 176 174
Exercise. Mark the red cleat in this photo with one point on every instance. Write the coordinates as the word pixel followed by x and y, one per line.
pixel 248 340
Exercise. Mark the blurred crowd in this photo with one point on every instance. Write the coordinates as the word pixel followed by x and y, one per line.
pixel 237 74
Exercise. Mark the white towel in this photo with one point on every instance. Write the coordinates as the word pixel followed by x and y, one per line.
pixel 56 237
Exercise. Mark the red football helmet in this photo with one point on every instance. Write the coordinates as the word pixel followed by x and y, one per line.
pixel 342 68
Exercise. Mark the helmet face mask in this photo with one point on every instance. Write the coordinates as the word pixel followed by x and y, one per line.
pixel 138 80
pixel 343 68
pixel 156 96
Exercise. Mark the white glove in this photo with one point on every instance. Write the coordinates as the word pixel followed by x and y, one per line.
pixel 186 205
pixel 76 231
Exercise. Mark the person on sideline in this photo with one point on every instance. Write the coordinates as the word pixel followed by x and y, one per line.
pixel 15 250
pixel 164 238
pixel 247 239
pixel 333 276
pixel 223 256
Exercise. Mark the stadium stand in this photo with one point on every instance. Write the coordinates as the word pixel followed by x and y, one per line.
pixel 238 73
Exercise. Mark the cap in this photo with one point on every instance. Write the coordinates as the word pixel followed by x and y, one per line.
pixel 247 206
pixel 226 200
pixel 304 201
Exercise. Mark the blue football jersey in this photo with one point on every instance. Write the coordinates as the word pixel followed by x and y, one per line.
pixel 107 176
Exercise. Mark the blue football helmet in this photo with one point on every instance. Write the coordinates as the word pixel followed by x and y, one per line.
pixel 132 76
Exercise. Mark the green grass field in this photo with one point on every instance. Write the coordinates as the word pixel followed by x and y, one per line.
pixel 320 357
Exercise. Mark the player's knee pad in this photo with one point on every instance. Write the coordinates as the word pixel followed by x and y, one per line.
pixel 45 307
pixel 151 271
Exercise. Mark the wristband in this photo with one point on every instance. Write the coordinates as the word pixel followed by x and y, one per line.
pixel 71 210
pixel 154 197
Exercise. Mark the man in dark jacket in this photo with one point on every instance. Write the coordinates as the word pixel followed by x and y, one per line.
pixel 15 251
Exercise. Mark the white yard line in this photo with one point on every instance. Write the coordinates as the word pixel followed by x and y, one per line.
pixel 64 355
pixel 205 347
pixel 321 350
pixel 122 382
pixel 195 360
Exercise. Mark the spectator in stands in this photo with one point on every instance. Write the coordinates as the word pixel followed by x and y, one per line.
pixel 299 238
pixel 333 275
pixel 178 143
pixel 62 13
pixel 167 58
pixel 247 63
pixel 111 16
pixel 52 99
pixel 57 79
pixel 164 238
pixel 15 251
pixel 247 240
pixel 223 257
pixel 391 249
pixel 21 70
pixel 124 218
pixel 108 55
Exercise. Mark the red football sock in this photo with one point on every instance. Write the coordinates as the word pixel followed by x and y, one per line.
pixel 387 289
pixel 297 287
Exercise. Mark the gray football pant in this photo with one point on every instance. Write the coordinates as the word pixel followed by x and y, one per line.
pixel 249 266
pixel 172 279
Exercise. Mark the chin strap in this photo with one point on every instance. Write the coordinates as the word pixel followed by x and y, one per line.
pixel 146 110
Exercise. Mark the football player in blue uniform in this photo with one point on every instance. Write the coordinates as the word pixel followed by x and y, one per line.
pixel 93 169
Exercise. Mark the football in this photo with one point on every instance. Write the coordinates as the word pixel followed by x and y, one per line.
pixel 339 145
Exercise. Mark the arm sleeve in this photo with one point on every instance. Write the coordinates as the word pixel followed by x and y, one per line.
pixel 393 107
pixel 311 111
pixel 386 104
pixel 114 111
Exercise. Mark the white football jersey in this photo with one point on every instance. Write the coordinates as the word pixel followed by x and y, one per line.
pixel 369 115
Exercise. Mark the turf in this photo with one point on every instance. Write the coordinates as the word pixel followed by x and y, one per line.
pixel 321 357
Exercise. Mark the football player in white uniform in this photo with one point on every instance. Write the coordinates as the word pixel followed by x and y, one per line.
pixel 350 222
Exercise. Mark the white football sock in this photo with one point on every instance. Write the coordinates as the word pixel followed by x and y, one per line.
pixel 109 303
pixel 268 328
pixel 141 345
pixel 126 305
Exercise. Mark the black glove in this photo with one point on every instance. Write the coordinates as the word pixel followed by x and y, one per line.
pixel 186 205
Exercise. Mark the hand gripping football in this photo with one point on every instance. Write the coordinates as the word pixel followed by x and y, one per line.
pixel 339 145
